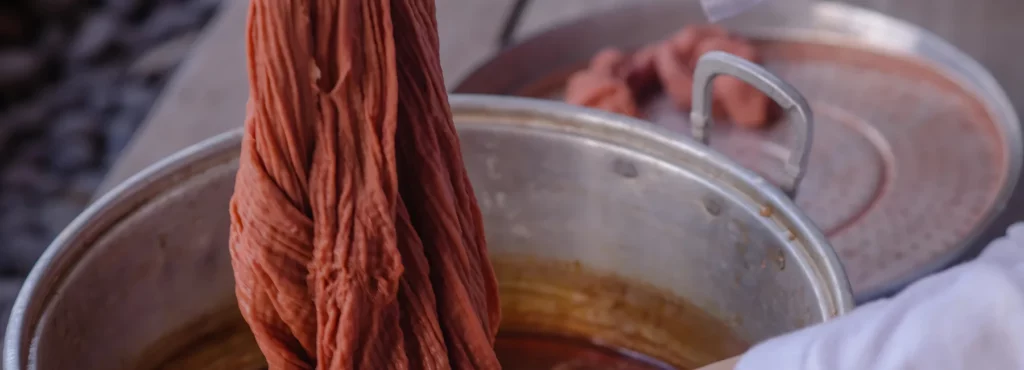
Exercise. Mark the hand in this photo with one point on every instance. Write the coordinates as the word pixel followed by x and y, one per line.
pixel 968 317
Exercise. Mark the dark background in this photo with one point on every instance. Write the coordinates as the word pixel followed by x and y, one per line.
pixel 77 77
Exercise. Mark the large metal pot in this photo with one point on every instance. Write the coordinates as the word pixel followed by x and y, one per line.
pixel 917 147
pixel 659 220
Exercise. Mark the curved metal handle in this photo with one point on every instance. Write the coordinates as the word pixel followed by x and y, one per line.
pixel 798 111
pixel 511 23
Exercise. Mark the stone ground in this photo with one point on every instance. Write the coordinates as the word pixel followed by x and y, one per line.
pixel 77 77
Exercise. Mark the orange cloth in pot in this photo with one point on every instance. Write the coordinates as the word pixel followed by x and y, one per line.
pixel 356 240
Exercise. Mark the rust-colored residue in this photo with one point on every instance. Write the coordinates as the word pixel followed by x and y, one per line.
pixel 616 82
pixel 356 241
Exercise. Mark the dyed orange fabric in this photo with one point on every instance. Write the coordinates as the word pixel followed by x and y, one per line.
pixel 618 83
pixel 356 241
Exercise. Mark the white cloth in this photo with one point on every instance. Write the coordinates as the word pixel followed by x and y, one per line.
pixel 969 317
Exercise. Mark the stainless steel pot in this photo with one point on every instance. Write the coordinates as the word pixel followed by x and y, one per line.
pixel 556 184
pixel 888 96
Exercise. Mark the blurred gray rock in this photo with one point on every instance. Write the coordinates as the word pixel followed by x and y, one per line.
pixel 19 66
pixel 13 26
pixel 80 122
pixel 103 85
pixel 163 57
pixel 29 177
pixel 27 116
pixel 35 152
pixel 135 96
pixel 67 94
pixel 168 20
pixel 124 7
pixel 53 41
pixel 57 8
pixel 71 154
pixel 97 33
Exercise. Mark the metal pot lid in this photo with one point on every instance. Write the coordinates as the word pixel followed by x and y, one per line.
pixel 915 148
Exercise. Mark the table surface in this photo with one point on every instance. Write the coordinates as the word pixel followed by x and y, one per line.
pixel 207 95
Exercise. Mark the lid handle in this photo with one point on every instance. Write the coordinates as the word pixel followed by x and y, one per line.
pixel 798 112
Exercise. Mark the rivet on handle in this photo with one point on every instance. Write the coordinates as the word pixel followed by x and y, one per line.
pixel 798 111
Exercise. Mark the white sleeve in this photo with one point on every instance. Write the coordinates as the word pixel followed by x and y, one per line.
pixel 970 317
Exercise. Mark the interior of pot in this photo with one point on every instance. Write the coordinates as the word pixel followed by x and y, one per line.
pixel 600 251
pixel 555 316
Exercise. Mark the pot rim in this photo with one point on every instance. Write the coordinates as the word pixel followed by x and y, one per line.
pixel 833 289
